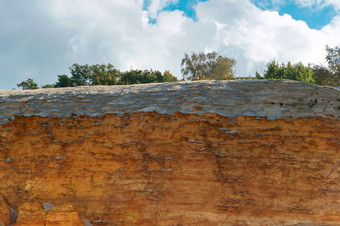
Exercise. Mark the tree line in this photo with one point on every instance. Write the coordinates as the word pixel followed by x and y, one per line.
pixel 316 74
pixel 102 74
pixel 212 66
pixel 198 66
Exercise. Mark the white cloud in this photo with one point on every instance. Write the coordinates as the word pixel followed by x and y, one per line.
pixel 309 3
pixel 318 4
pixel 335 3
pixel 313 4
pixel 158 5
pixel 42 39
pixel 254 36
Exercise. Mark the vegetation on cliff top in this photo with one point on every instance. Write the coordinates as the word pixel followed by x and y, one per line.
pixel 197 66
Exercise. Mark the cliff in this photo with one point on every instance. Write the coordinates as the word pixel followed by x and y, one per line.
pixel 248 152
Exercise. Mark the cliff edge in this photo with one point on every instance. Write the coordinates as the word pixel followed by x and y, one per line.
pixel 246 152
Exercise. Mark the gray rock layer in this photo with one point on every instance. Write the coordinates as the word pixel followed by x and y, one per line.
pixel 264 98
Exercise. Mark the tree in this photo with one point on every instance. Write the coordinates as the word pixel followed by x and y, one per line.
pixel 333 59
pixel 131 77
pixel 146 76
pixel 104 74
pixel 80 74
pixel 28 84
pixel 101 74
pixel 223 69
pixel 64 81
pixel 329 76
pixel 207 65
pixel 323 76
pixel 297 72
pixel 168 77
pixel 47 86
pixel 258 76
pixel 84 75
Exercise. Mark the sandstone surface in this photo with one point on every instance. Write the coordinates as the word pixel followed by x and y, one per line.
pixel 249 152
pixel 5 215
pixel 33 213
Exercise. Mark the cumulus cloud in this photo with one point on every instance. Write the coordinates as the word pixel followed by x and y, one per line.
pixel 158 5
pixel 41 39
pixel 312 4
pixel 318 4
pixel 254 36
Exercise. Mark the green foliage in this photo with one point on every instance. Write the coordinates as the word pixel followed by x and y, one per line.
pixel 64 81
pixel 244 78
pixel 28 84
pixel 207 66
pixel 329 76
pixel 223 69
pixel 104 75
pixel 146 76
pixel 80 74
pixel 258 76
pixel 297 72
pixel 333 59
pixel 168 77
pixel 316 74
pixel 324 77
pixel 85 75
pixel 47 86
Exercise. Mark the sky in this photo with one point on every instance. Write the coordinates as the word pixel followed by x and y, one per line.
pixel 41 39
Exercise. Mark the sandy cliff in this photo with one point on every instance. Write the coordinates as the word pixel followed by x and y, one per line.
pixel 251 152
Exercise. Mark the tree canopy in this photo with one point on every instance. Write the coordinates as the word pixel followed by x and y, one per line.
pixel 88 75
pixel 207 66
pixel 146 76
pixel 298 72
pixel 28 84
pixel 85 75
pixel 329 75
pixel 197 66
pixel 317 74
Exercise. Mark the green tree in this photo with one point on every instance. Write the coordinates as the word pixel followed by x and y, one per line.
pixel 333 59
pixel 168 77
pixel 329 76
pixel 146 76
pixel 47 86
pixel 207 66
pixel 223 69
pixel 64 81
pixel 258 75
pixel 104 74
pixel 80 74
pixel 138 77
pixel 297 72
pixel 84 75
pixel 28 84
pixel 324 77
pixel 130 77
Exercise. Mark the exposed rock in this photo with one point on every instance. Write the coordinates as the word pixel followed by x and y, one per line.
pixel 14 215
pixel 273 99
pixel 86 222
pixel 194 153
pixel 5 215
pixel 47 206
pixel 64 215
pixel 32 213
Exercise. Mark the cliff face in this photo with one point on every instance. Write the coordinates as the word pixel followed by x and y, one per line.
pixel 194 153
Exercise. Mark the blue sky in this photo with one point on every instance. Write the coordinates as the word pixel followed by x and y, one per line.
pixel 187 6
pixel 41 39
pixel 314 14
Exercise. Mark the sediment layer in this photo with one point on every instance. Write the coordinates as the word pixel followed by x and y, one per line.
pixel 208 153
